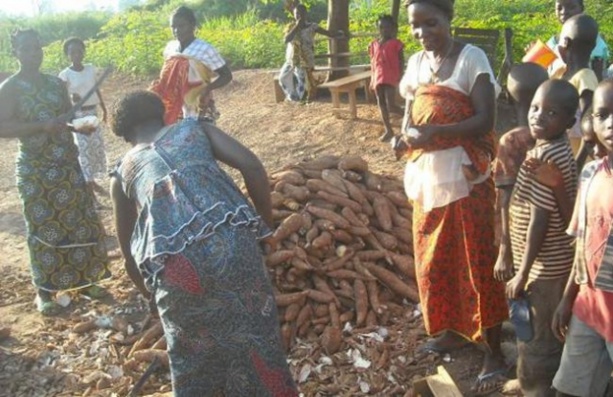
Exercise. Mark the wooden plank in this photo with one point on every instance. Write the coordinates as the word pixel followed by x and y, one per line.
pixel 439 385
pixel 442 385
pixel 341 55
pixel 354 78
pixel 349 68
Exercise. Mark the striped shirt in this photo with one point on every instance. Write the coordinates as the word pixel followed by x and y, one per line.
pixel 556 255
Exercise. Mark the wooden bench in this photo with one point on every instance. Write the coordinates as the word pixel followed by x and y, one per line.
pixel 280 95
pixel 348 85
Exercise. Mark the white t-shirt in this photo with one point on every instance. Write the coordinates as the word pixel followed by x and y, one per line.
pixel 80 82
pixel 471 63
pixel 436 179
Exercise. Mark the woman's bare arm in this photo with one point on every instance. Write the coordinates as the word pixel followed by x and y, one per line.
pixel 231 152
pixel 124 211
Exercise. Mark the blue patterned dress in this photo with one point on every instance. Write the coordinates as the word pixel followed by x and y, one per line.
pixel 65 237
pixel 196 244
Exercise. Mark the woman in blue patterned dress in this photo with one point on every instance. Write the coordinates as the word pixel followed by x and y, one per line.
pixel 65 237
pixel 190 242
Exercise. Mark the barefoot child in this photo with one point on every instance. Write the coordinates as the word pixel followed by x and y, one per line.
pixel 542 252
pixel 386 63
pixel 583 317
pixel 80 78
pixel 577 40
pixel 522 83
pixel 296 75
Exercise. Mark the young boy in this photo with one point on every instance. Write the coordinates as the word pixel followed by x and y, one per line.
pixel 296 75
pixel 542 251
pixel 583 317
pixel 522 83
pixel 577 40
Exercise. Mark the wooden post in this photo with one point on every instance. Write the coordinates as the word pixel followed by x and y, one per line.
pixel 395 9
pixel 338 19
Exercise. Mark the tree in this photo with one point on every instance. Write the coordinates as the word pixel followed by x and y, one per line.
pixel 395 9
pixel 338 19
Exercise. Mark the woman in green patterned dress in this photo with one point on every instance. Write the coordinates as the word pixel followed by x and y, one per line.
pixel 65 237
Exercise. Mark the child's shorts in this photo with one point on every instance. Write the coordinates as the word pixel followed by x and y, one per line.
pixel 587 362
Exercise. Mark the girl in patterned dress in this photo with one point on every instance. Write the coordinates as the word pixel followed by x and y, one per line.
pixel 65 237
pixel 190 243
pixel 80 78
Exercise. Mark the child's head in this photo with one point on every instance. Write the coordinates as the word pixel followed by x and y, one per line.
pixel 387 26
pixel 553 109
pixel 523 81
pixel 136 110
pixel 300 12
pixel 74 49
pixel 602 116
pixel 578 35
pixel 566 9
pixel 589 136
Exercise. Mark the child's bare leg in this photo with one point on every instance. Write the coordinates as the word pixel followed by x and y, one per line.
pixel 385 116
pixel 390 96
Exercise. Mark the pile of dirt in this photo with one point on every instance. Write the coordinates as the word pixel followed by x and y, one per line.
pixel 45 357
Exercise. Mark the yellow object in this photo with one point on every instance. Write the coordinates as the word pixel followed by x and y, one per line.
pixel 541 54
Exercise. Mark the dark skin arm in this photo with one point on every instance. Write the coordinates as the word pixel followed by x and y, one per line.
pixel 326 32
pixel 537 229
pixel 124 211
pixel 102 105
pixel 224 76
pixel 561 317
pixel 483 100
pixel 229 151
pixel 549 175
pixel 503 270
pixel 598 66
pixel 298 26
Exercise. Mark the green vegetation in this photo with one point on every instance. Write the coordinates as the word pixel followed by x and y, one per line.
pixel 249 33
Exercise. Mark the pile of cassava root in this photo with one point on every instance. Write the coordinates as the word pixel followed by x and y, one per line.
pixel 343 249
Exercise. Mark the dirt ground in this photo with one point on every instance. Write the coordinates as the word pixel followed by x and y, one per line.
pixel 43 358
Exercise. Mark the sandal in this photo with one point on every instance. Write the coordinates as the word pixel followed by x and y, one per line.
pixel 489 383
pixel 47 307
pixel 95 292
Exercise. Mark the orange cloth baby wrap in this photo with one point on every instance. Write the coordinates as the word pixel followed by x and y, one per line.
pixel 182 80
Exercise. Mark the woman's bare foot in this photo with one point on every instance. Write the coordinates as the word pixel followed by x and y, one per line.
pixel 492 376
pixel 445 343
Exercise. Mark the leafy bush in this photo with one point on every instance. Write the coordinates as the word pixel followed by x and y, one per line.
pixel 133 41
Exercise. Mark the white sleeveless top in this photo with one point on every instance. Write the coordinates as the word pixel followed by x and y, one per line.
pixel 436 179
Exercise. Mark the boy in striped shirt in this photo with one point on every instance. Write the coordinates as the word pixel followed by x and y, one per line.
pixel 542 251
